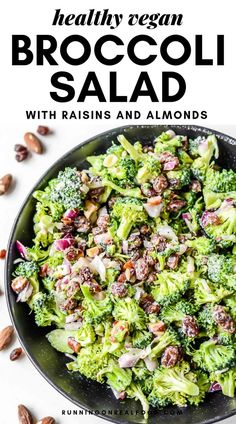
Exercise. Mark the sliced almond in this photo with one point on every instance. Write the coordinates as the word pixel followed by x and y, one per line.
pixel 110 160
pixel 93 251
pixel 6 336
pixel 90 208
pixel 5 183
pixel 153 201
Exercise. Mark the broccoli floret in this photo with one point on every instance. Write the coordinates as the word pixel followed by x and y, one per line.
pixel 135 391
pixel 223 230
pixel 207 149
pixel 90 361
pixel 149 169
pixel 117 378
pixel 44 227
pixel 226 339
pixel 212 356
pixel 141 339
pixel 119 331
pixel 170 337
pixel 131 149
pixel 53 208
pixel 221 181
pixel 95 310
pixel 174 384
pixel 231 304
pixel 202 245
pixel 170 287
pixel 214 200
pixel 128 310
pixel 202 380
pixel 227 381
pixel 194 146
pixel 29 270
pixel 126 192
pixel 67 189
pixel 141 373
pixel 167 143
pixel 205 292
pixel 86 335
pixel 221 269
pixel 46 312
pixel 115 167
pixel 206 320
pixel 180 178
pixel 177 312
pixel 130 213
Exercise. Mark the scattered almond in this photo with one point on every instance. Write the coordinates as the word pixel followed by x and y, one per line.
pixel 24 415
pixel 47 420
pixel 33 143
pixel 6 336
pixel 5 183
pixel 93 251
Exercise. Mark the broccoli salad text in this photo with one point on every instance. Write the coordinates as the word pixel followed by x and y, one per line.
pixel 133 264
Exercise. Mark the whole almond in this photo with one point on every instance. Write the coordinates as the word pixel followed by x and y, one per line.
pixel 24 415
pixel 6 336
pixel 5 183
pixel 47 420
pixel 33 143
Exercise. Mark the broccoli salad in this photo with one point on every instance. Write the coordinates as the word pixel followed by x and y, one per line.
pixel 133 265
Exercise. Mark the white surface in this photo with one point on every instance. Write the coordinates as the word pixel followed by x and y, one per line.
pixel 20 382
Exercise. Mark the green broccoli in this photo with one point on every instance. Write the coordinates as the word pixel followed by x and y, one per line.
pixel 149 169
pixel 180 178
pixel 200 165
pixel 221 269
pixel 67 189
pixel 206 320
pixel 221 181
pixel 174 385
pixel 170 287
pixel 165 142
pixel 202 380
pixel 205 292
pixel 214 200
pixel 29 270
pixel 90 360
pixel 170 337
pixel 129 213
pixel 128 310
pixel 46 311
pixel 126 192
pixel 223 231
pixel 231 304
pixel 44 227
pixel 96 311
pixel 194 144
pixel 212 356
pixel 131 149
pixel 202 245
pixel 141 339
pixel 177 312
pixel 54 209
pixel 117 378
pixel 227 381
pixel 134 391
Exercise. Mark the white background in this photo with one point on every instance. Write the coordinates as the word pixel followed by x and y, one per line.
pixel 211 89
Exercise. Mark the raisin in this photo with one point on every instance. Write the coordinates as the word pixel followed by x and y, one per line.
pixel 85 274
pixel 175 205
pixel 82 224
pixel 195 186
pixel 119 290
pixel 157 327
pixel 147 190
pixel 160 184
pixel 189 326
pixel 3 253
pixel 141 269
pixel 15 354
pixel 224 320
pixel 103 221
pixel 158 242
pixel 148 304
pixel 173 261
pixel 43 130
pixel 171 356
pixel 69 305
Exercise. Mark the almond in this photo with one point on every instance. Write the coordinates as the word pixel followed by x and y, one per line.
pixel 24 415
pixel 153 201
pixel 33 143
pixel 5 183
pixel 47 420
pixel 93 251
pixel 6 336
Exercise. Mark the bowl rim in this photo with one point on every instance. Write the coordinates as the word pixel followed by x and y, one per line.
pixel 106 133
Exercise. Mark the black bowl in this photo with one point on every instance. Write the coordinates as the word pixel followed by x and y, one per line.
pixel 51 364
